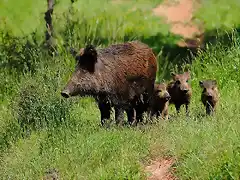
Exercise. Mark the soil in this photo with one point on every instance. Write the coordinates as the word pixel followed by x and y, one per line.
pixel 160 170
pixel 179 14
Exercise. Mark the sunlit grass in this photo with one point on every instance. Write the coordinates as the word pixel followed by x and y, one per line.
pixel 66 134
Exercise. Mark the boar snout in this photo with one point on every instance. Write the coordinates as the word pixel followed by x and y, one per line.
pixel 65 94
pixel 184 88
pixel 185 91
pixel 209 97
pixel 167 96
pixel 209 94
pixel 71 89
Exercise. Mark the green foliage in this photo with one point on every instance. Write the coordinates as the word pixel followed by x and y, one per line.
pixel 40 130
pixel 20 18
pixel 37 107
pixel 105 22
pixel 206 147
pixel 19 54
pixel 219 14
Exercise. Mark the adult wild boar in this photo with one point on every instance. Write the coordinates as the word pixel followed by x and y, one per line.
pixel 114 76
pixel 210 95
pixel 180 91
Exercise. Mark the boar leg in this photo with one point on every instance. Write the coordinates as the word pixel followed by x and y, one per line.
pixel 131 115
pixel 153 113
pixel 143 108
pixel 139 110
pixel 158 114
pixel 139 115
pixel 165 115
pixel 119 115
pixel 187 109
pixel 104 106
pixel 143 105
pixel 105 110
pixel 177 106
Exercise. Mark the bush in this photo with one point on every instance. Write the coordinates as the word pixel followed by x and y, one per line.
pixel 37 105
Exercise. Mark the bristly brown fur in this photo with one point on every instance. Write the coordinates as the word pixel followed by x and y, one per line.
pixel 118 73
pixel 180 90
pixel 160 101
pixel 210 95
pixel 157 104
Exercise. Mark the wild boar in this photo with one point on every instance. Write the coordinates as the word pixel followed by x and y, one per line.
pixel 116 75
pixel 159 101
pixel 157 104
pixel 210 95
pixel 180 91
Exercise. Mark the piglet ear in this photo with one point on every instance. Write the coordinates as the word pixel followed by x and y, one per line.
pixel 187 74
pixel 173 75
pixel 214 83
pixel 201 84
pixel 81 52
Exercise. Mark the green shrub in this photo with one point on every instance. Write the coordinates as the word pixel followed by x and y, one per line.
pixel 37 107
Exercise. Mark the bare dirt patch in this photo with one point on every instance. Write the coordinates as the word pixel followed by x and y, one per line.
pixel 160 169
pixel 117 1
pixel 179 14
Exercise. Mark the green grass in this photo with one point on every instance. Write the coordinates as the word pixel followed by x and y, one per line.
pixel 219 14
pixel 40 130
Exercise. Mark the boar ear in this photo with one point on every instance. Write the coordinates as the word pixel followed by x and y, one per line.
pixel 201 84
pixel 173 74
pixel 90 51
pixel 187 74
pixel 87 57
pixel 81 52
pixel 214 83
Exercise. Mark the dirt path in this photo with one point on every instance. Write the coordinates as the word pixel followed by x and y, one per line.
pixel 179 14
pixel 160 170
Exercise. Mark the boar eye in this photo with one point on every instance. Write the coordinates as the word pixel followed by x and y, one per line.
pixel 187 80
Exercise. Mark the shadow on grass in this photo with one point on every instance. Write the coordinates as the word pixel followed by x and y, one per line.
pixel 172 57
